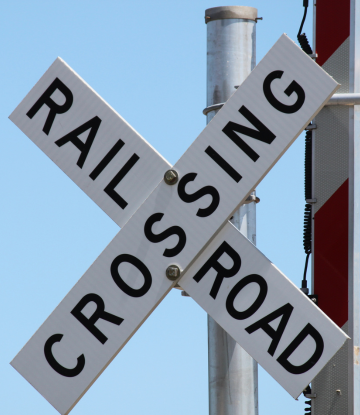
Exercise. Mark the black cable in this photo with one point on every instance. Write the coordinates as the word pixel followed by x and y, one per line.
pixel 307 213
pixel 307 391
pixel 305 46
pixel 306 5
pixel 302 39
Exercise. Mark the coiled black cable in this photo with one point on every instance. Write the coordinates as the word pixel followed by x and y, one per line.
pixel 304 43
pixel 305 46
pixel 307 234
pixel 307 391
pixel 302 39
pixel 307 409
pixel 307 244
pixel 308 194
pixel 307 231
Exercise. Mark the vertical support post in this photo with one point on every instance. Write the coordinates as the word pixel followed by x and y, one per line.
pixel 231 42
pixel 354 216
pixel 336 214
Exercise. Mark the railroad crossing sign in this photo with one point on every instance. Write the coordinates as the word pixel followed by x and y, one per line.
pixel 175 227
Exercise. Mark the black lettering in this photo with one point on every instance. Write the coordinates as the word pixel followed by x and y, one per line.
pixel 284 312
pixel 173 230
pixel 132 292
pixel 308 330
pixel 262 133
pixel 106 160
pixel 190 198
pixel 293 87
pixel 100 312
pixel 223 164
pixel 242 315
pixel 222 272
pixel 110 188
pixel 64 371
pixel 84 148
pixel 55 108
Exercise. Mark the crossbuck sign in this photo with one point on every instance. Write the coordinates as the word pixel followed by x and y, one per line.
pixel 175 229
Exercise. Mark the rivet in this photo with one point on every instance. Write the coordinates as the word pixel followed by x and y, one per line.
pixel 171 177
pixel 338 391
pixel 173 272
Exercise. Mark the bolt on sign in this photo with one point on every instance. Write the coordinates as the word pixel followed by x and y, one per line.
pixel 175 227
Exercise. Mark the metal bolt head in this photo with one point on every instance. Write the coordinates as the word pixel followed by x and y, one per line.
pixel 171 177
pixel 173 272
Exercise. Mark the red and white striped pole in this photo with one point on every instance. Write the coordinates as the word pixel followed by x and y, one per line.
pixel 336 212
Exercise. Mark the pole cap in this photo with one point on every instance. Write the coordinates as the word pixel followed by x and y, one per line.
pixel 230 12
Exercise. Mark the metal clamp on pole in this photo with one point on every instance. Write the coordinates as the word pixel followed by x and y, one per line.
pixel 212 108
pixel 252 198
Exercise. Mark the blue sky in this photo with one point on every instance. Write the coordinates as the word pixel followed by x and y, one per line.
pixel 148 61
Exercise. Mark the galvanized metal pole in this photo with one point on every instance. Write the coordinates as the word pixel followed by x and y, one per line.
pixel 233 374
pixel 354 215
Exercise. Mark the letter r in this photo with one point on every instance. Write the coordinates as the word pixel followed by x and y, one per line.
pixel 55 108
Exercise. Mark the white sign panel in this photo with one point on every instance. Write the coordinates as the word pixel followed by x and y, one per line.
pixel 90 142
pixel 218 171
pixel 262 310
